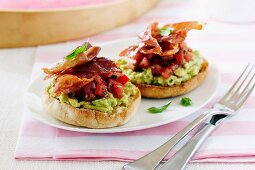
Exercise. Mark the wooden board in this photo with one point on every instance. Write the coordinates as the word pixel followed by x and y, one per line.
pixel 20 28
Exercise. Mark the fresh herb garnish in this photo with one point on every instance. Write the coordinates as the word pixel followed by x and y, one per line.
pixel 165 31
pixel 105 93
pixel 154 110
pixel 185 101
pixel 77 51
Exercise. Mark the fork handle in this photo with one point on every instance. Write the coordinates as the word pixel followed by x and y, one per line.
pixel 152 159
pixel 182 157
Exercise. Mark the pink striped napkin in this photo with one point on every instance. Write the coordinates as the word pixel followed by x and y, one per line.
pixel 231 46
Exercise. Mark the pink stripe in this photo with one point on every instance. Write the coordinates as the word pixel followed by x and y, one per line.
pixel 172 129
pixel 235 129
pixel 94 153
pixel 32 128
pixel 226 129
pixel 223 155
pixel 127 155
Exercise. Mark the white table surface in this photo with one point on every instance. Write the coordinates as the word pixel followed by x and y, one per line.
pixel 15 70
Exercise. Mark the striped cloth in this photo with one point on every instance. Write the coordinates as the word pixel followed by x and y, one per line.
pixel 231 46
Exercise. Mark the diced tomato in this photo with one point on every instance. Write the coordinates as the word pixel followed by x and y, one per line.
pixel 156 69
pixel 115 88
pixel 100 90
pixel 179 57
pixel 89 91
pixel 123 79
pixel 188 56
pixel 144 63
pixel 166 73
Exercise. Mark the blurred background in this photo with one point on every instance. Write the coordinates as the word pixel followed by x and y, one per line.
pixel 36 22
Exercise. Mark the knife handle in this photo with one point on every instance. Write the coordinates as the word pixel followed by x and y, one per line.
pixel 182 157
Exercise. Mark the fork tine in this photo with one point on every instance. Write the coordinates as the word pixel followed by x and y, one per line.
pixel 244 98
pixel 246 87
pixel 237 91
pixel 234 85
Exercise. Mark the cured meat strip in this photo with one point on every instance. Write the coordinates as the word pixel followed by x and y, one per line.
pixel 162 48
pixel 89 54
pixel 69 83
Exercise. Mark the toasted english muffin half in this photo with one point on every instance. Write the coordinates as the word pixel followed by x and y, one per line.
pixel 91 118
pixel 158 92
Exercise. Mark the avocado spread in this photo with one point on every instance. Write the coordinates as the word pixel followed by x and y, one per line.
pixel 106 104
pixel 181 74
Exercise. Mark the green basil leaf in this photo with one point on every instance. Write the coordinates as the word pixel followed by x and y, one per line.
pixel 154 110
pixel 165 31
pixel 77 51
pixel 185 101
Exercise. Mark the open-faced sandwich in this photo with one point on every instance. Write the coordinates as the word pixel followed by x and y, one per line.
pixel 90 91
pixel 161 65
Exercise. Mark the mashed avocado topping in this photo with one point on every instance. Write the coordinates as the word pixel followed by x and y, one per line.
pixel 106 104
pixel 181 74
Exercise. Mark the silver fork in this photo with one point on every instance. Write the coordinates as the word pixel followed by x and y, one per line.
pixel 231 102
pixel 228 104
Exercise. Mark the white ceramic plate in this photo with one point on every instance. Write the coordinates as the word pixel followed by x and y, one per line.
pixel 142 119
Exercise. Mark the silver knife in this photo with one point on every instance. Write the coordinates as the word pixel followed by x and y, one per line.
pixel 181 158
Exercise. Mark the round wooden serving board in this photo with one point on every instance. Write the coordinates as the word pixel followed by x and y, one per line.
pixel 28 27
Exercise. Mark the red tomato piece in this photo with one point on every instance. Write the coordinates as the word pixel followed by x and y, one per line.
pixel 156 69
pixel 89 91
pixel 115 88
pixel 123 79
pixel 188 56
pixel 100 90
pixel 179 57
pixel 166 73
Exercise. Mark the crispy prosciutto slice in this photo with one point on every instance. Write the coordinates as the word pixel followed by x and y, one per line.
pixel 84 56
pixel 162 48
pixel 86 77
pixel 100 65
pixel 68 83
